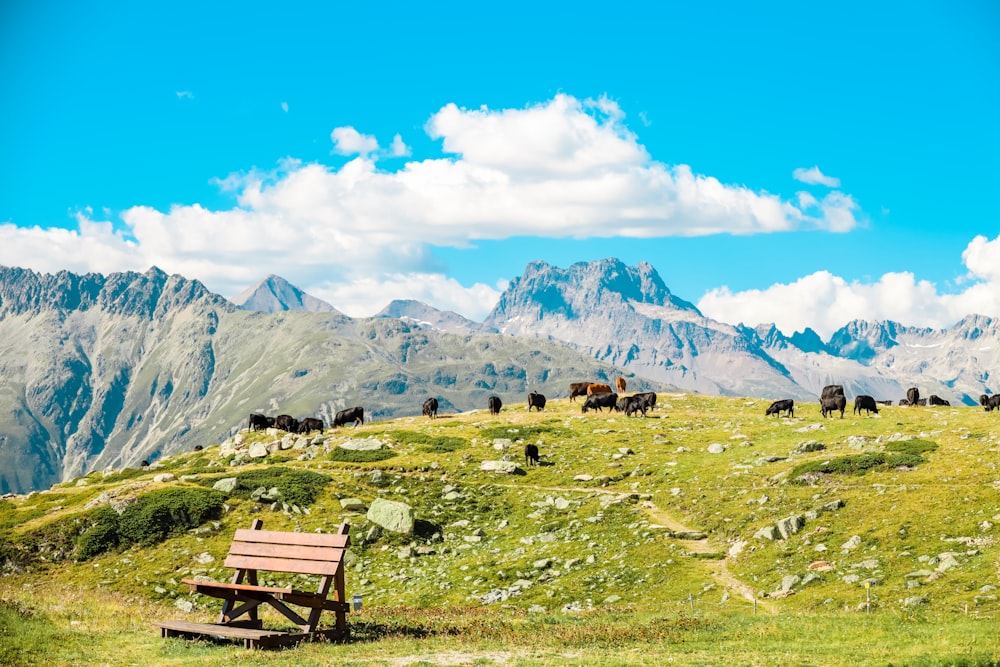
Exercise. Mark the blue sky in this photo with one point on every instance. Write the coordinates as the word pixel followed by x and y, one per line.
pixel 805 165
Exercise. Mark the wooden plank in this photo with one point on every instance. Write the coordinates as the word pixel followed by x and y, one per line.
pixel 282 565
pixel 286 537
pixel 221 585
pixel 217 630
pixel 286 551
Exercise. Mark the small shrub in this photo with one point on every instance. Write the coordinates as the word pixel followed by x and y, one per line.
pixel 101 536
pixel 297 487
pixel 906 454
pixel 156 515
pixel 429 443
pixel 361 455
pixel 524 432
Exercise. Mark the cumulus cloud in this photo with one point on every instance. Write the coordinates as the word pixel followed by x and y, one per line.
pixel 284 107
pixel 185 95
pixel 826 302
pixel 813 176
pixel 354 297
pixel 562 168
pixel 348 141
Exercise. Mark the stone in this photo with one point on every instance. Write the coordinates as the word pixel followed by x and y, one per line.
pixel 353 504
pixel 226 485
pixel 362 444
pixel 789 581
pixel 790 525
pixel 810 446
pixel 766 533
pixel 583 478
pixel 204 558
pixel 391 515
pixel 165 477
pixel 852 543
pixel 184 605
pixel 504 467
pixel 716 448
pixel 257 450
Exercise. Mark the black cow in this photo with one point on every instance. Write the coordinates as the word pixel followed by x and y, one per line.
pixel 831 390
pixel 937 400
pixel 866 403
pixel 355 414
pixel 430 408
pixel 993 403
pixel 830 405
pixel 983 398
pixel 259 422
pixel 494 404
pixel 634 404
pixel 921 401
pixel 536 401
pixel 310 424
pixel 286 423
pixel 531 454
pixel 884 402
pixel 903 401
pixel 598 401
pixel 784 405
pixel 913 396
pixel 649 397
pixel 577 389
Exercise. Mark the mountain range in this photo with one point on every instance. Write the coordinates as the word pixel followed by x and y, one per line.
pixel 106 371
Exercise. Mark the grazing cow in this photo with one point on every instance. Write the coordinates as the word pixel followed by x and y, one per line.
pixel 649 397
pixel 634 404
pixel 594 388
pixel 536 401
pixel 778 407
pixel 620 385
pixel 259 422
pixel 198 448
pixel 884 402
pixel 913 396
pixel 830 405
pixel 903 401
pixel 430 408
pixel 983 399
pixel 993 403
pixel 598 401
pixel 286 423
pixel 144 464
pixel 494 404
pixel 921 401
pixel 355 414
pixel 531 454
pixel 577 389
pixel 310 424
pixel 937 400
pixel 831 390
pixel 866 403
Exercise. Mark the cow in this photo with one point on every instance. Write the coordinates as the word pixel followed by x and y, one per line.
pixel 531 454
pixel 913 396
pixel 286 423
pixel 198 448
pixel 310 424
pixel 494 404
pixel 884 402
pixel 595 388
pixel 937 400
pixel 430 408
pixel 831 390
pixel 536 401
pixel 830 405
pixel 597 401
pixel 349 415
pixel 993 403
pixel 649 397
pixel 259 422
pixel 620 385
pixel 783 405
pixel 577 389
pixel 903 401
pixel 634 404
pixel 866 403
pixel 983 399
pixel 921 401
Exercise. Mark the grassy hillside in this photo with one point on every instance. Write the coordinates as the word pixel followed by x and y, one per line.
pixel 706 532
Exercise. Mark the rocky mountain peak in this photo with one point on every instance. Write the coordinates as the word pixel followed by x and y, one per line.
pixel 419 314
pixel 274 294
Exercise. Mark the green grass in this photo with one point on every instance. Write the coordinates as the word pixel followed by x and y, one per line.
pixel 592 532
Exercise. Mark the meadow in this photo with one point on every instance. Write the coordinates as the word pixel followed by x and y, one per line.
pixel 704 534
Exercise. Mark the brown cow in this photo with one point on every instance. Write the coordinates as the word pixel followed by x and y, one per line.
pixel 620 384
pixel 577 389
pixel 594 388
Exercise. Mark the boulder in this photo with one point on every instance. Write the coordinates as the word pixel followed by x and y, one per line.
pixel 391 515
pixel 226 485
pixel 505 467
pixel 362 444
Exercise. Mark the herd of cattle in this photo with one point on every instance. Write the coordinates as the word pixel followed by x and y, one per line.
pixel 289 424
pixel 833 400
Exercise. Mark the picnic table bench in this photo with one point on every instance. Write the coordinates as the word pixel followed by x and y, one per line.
pixel 254 550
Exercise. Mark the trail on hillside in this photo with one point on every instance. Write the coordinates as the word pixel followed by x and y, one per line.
pixel 717 568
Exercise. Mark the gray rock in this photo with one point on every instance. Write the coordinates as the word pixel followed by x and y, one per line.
pixel 788 582
pixel 257 450
pixel 766 533
pixel 852 543
pixel 226 485
pixel 716 448
pixel 184 605
pixel 810 446
pixel 353 504
pixel 363 444
pixel 505 467
pixel 165 477
pixel 914 601
pixel 391 515
pixel 790 525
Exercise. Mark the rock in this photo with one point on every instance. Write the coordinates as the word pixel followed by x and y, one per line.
pixel 583 478
pixel 239 439
pixel 362 444
pixel 947 561
pixel 451 495
pixel 391 515
pixel 257 450
pixel 561 503
pixel 542 563
pixel 226 485
pixel 716 448
pixel 184 605
pixel 790 525
pixel 914 601
pixel 353 504
pixel 810 446
pixel 820 566
pixel 505 467
pixel 766 533
pixel 165 477
pixel 204 558
pixel 737 548
pixel 789 581
pixel 852 543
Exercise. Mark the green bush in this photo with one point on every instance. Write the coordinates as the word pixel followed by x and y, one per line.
pixel 360 455
pixel 101 536
pixel 154 516
pixel 297 487
pixel 524 432
pixel 901 454
pixel 429 443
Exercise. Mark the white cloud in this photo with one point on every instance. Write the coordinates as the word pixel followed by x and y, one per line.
pixel 185 95
pixel 813 176
pixel 348 141
pixel 284 107
pixel 562 168
pixel 399 148
pixel 827 302
pixel 354 298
